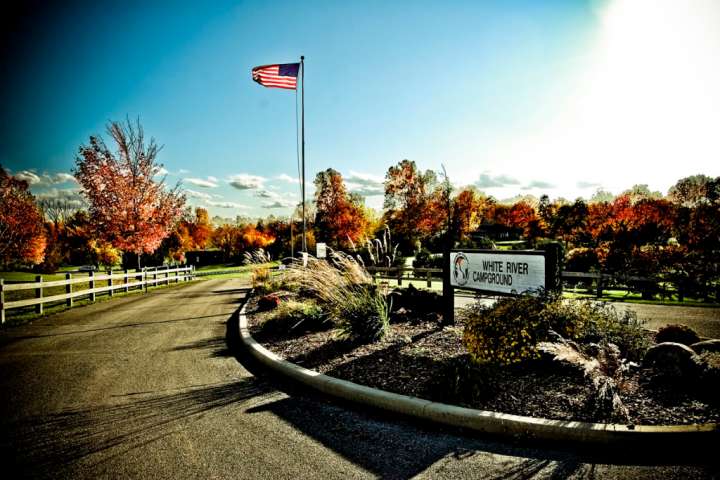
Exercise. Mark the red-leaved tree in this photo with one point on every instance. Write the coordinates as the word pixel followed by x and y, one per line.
pixel 22 235
pixel 128 207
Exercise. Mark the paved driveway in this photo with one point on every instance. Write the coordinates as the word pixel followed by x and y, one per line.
pixel 146 387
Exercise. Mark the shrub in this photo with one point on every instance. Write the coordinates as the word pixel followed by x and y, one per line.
pixel 678 334
pixel 509 331
pixel 268 302
pixel 425 259
pixel 417 300
pixel 601 322
pixel 296 317
pixel 344 289
pixel 581 259
pixel 505 333
pixel 260 276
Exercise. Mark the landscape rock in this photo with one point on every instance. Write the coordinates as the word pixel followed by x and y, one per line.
pixel 709 376
pixel 672 360
pixel 677 333
pixel 707 346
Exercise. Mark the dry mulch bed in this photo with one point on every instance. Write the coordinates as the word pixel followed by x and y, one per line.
pixel 416 358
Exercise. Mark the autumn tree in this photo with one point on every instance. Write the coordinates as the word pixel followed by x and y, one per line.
pixel 224 237
pixel 408 194
pixel 695 190
pixel 340 217
pixel 201 228
pixel 128 207
pixel 22 235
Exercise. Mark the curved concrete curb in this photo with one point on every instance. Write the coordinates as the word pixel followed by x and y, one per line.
pixel 515 426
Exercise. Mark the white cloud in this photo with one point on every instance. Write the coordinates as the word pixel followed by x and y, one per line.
pixel 182 171
pixel 211 182
pixel 365 184
pixel 585 185
pixel 71 196
pixel 31 178
pixel 46 179
pixel 278 204
pixel 225 204
pixel 161 171
pixel 538 184
pixel 244 181
pixel 486 180
pixel 196 194
pixel 267 194
pixel 287 178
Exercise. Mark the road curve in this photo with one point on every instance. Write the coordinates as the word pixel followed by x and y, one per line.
pixel 146 387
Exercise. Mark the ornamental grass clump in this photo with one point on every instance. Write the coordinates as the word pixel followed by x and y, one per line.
pixel 344 289
pixel 605 368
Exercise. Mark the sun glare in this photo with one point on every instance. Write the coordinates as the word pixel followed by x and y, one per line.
pixel 646 105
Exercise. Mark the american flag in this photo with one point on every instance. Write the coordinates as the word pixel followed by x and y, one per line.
pixel 283 75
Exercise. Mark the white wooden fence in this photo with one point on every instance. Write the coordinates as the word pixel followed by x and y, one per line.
pixel 115 281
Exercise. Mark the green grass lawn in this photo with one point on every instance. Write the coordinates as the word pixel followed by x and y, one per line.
pixel 19 316
pixel 238 271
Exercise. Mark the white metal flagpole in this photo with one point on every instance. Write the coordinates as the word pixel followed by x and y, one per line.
pixel 302 78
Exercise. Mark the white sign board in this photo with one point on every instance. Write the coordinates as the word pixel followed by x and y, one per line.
pixel 321 250
pixel 502 272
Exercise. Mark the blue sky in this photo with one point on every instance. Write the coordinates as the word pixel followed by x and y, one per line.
pixel 515 97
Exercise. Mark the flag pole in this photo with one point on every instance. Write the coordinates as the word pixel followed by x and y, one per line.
pixel 302 78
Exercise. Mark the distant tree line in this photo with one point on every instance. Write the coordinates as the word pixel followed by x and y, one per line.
pixel 132 218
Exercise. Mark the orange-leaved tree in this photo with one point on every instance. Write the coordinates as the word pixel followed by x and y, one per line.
pixel 408 204
pixel 128 207
pixel 340 218
pixel 22 234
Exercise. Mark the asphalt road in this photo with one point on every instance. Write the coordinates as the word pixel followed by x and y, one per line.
pixel 149 387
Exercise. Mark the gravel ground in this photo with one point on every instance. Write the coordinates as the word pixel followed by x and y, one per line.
pixel 417 358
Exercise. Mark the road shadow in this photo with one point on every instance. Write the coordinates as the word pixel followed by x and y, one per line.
pixel 393 446
pixel 46 446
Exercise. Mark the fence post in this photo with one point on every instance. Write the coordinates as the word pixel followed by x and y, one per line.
pixel 91 274
pixel 110 283
pixel 598 294
pixel 399 276
pixel 68 290
pixel 167 277
pixel 177 274
pixel 429 279
pixel 144 276
pixel 39 294
pixel 2 300
pixel 126 280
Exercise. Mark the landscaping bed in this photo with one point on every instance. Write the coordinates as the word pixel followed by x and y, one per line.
pixel 420 358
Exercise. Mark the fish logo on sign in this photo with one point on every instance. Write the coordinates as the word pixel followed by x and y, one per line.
pixel 460 269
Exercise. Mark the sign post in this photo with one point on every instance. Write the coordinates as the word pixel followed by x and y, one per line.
pixel 321 250
pixel 505 272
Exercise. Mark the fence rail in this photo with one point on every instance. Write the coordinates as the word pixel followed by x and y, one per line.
pixel 125 281
pixel 601 280
pixel 398 273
